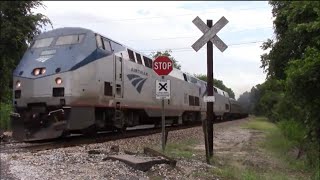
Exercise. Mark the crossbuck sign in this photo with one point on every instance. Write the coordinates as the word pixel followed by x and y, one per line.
pixel 210 34
pixel 209 37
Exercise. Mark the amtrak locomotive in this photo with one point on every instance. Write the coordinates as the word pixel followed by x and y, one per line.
pixel 76 80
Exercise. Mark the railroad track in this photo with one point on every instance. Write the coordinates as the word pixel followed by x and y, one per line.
pixel 85 140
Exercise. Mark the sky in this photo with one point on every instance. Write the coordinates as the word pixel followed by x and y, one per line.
pixel 150 26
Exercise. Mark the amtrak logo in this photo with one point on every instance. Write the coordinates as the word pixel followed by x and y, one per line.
pixel 136 81
pixel 46 55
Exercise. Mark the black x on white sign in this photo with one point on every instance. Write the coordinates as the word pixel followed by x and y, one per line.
pixel 163 89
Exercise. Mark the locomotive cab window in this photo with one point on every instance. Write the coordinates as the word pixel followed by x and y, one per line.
pixel 99 41
pixel 139 58
pixel 215 90
pixel 70 39
pixel 45 42
pixel 107 45
pixel 116 47
pixel 185 77
pixel 147 62
pixel 131 56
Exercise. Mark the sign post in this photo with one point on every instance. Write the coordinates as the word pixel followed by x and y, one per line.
pixel 162 65
pixel 210 38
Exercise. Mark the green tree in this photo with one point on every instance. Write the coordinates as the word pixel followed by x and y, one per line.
pixel 18 26
pixel 166 53
pixel 296 26
pixel 291 91
pixel 218 83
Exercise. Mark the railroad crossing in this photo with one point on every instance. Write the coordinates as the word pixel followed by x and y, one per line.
pixel 210 38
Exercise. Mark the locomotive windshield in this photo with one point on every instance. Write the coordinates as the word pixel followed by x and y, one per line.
pixel 70 39
pixel 62 40
pixel 42 42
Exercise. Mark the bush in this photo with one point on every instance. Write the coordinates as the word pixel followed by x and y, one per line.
pixel 296 133
pixel 293 130
pixel 5 110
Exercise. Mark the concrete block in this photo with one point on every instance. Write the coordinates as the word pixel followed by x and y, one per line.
pixel 136 162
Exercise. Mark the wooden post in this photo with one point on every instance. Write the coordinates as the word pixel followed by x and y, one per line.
pixel 210 37
pixel 210 115
pixel 205 132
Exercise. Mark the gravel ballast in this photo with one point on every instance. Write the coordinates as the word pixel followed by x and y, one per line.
pixel 76 163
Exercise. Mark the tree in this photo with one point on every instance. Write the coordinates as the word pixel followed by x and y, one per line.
pixel 18 26
pixel 166 53
pixel 293 63
pixel 296 26
pixel 218 83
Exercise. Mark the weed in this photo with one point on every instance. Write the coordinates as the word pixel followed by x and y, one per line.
pixel 5 110
pixel 260 124
pixel 182 149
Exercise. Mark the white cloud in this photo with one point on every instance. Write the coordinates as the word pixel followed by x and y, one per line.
pixel 137 25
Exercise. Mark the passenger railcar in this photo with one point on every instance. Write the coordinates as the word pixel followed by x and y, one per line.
pixel 76 80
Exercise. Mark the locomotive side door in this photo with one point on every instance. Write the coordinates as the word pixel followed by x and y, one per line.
pixel 118 76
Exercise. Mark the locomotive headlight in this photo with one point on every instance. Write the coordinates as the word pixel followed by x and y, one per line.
pixel 43 70
pixel 58 81
pixel 36 72
pixel 18 84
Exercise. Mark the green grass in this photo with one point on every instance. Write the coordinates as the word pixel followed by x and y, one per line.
pixel 236 172
pixel 5 110
pixel 182 149
pixel 279 140
pixel 260 123
pixel 275 144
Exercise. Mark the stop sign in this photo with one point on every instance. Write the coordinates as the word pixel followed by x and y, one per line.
pixel 162 65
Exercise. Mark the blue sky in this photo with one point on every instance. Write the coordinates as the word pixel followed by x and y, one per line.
pixel 154 25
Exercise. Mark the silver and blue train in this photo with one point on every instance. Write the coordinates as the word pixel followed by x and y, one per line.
pixel 75 80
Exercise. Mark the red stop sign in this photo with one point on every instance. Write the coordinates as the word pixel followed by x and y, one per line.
pixel 162 65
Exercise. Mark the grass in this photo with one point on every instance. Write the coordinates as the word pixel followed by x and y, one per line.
pixel 281 139
pixel 238 171
pixel 262 124
pixel 276 146
pixel 182 149
pixel 5 110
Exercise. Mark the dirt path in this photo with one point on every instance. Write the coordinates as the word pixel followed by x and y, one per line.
pixel 239 154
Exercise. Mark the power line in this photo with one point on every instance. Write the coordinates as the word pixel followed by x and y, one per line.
pixel 183 49
pixel 186 37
